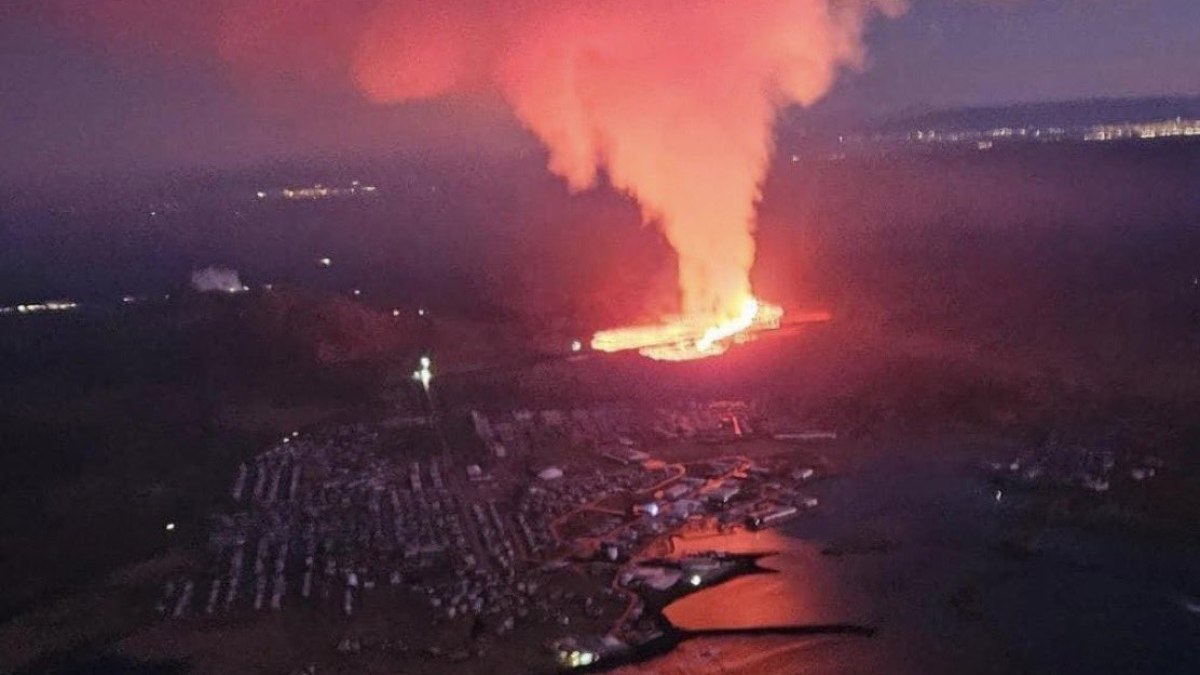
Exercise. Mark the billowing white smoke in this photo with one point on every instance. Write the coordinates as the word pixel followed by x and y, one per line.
pixel 217 279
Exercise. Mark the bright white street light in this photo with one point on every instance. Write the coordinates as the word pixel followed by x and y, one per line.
pixel 424 374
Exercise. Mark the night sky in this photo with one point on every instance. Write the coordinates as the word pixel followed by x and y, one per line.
pixel 74 105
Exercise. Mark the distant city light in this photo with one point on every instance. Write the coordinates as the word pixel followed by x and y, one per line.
pixel 395 312
pixel 695 580
pixel 39 307
pixel 1144 130
pixel 170 527
pixel 317 191
pixel 421 312
pixel 983 139
pixel 324 262
pixel 576 346
pixel 357 292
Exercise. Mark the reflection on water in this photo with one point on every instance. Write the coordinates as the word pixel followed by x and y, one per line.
pixel 793 595
pixel 944 596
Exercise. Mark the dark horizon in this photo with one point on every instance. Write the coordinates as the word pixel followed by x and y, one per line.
pixel 91 190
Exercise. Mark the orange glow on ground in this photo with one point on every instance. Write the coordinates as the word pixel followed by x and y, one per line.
pixel 690 338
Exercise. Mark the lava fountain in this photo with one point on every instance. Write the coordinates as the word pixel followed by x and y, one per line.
pixel 688 338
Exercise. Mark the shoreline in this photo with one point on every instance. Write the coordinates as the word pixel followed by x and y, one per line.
pixel 671 636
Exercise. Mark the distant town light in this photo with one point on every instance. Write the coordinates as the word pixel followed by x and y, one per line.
pixel 694 580
pixel 421 312
pixel 321 191
pixel 170 527
pixel 325 262
pixel 395 312
pixel 577 658
pixel 261 194
pixel 36 307
pixel 357 292
pixel 576 346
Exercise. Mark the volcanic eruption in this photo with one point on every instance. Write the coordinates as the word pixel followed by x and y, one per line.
pixel 674 100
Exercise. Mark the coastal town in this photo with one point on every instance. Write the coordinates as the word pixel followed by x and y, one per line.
pixel 555 525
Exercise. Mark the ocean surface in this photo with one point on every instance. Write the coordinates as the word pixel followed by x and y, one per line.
pixel 906 541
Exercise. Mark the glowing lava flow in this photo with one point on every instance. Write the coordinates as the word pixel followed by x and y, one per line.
pixel 690 338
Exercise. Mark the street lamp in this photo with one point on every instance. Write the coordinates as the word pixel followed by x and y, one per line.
pixel 424 374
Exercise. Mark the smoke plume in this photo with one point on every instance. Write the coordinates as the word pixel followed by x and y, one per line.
pixel 213 279
pixel 674 100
